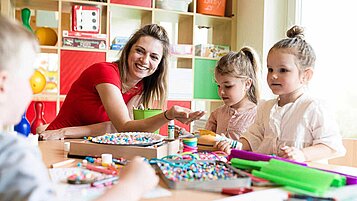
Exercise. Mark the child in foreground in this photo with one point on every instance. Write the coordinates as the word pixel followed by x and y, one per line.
pixel 23 176
pixel 295 125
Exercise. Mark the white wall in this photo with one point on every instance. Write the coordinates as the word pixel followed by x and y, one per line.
pixel 260 24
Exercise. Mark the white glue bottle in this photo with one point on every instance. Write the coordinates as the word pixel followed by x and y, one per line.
pixel 171 130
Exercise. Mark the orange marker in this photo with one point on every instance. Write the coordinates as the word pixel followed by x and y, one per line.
pixel 101 170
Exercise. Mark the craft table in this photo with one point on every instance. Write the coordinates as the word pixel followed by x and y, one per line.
pixel 53 152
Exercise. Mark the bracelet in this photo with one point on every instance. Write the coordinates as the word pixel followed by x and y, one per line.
pixel 166 116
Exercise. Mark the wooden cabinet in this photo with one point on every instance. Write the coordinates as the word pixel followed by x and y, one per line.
pixel 118 19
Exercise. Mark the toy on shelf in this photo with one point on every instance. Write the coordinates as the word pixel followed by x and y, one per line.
pixel 25 16
pixel 38 82
pixel 39 119
pixel 85 19
pixel 46 36
pixel 23 127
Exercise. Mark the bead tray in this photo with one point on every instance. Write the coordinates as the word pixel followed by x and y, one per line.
pixel 242 180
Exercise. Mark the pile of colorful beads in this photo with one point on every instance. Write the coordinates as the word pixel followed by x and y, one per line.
pixel 130 138
pixel 189 145
pixel 205 155
pixel 198 171
pixel 82 177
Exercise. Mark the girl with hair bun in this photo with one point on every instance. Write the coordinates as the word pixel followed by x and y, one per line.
pixel 295 125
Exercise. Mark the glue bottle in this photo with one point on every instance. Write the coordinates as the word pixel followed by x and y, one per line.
pixel 171 130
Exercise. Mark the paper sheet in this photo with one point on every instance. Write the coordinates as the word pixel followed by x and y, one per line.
pixel 84 192
pixel 276 194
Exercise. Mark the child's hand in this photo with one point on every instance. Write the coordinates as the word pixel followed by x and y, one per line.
pixel 181 131
pixel 293 153
pixel 138 175
pixel 223 146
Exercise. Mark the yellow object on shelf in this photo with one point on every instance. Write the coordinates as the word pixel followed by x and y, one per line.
pixel 38 82
pixel 46 36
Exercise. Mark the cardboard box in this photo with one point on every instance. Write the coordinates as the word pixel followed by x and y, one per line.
pixel 181 49
pixel 211 50
pixel 84 43
pixel 76 34
pixel 86 148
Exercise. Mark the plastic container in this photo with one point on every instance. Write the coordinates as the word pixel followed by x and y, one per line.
pixel 211 7
pixel 143 114
pixel 177 5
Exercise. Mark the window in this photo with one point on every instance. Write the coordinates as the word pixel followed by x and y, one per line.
pixel 331 29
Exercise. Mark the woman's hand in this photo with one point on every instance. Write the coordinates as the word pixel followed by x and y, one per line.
pixel 293 153
pixel 53 134
pixel 184 115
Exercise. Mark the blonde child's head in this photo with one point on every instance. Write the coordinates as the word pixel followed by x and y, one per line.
pixel 296 45
pixel 18 49
pixel 290 65
pixel 243 65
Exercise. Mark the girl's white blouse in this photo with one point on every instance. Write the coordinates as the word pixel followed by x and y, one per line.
pixel 303 123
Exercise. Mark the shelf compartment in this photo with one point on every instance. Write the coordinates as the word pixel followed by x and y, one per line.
pixel 124 20
pixel 73 63
pixel 67 10
pixel 204 85
pixel 50 5
pixel 179 25
pixel 219 28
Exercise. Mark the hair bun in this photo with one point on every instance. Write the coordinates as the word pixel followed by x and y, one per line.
pixel 295 32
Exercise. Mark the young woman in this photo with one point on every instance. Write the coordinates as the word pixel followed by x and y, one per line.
pixel 101 99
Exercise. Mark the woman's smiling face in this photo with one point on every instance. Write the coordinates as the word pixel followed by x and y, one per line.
pixel 144 57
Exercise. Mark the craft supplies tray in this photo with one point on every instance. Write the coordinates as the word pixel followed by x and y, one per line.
pixel 87 148
pixel 201 175
pixel 129 139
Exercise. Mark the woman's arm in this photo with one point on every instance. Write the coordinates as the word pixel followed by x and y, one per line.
pixel 78 131
pixel 118 113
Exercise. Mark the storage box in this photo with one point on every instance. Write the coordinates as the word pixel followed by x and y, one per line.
pixel 143 114
pixel 143 3
pixel 210 50
pixel 211 7
pixel 86 148
pixel 177 5
pixel 84 43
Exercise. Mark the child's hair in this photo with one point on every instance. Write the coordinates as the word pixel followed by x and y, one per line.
pixel 243 63
pixel 296 45
pixel 12 36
